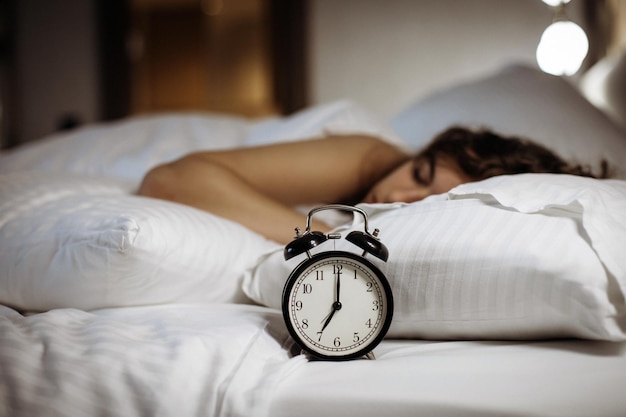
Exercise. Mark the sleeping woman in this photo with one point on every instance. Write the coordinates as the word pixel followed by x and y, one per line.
pixel 258 187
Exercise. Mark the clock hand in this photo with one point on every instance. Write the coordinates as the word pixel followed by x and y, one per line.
pixel 329 318
pixel 338 280
pixel 337 304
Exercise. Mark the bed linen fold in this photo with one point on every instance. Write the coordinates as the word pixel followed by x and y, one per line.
pixel 601 205
pixel 159 361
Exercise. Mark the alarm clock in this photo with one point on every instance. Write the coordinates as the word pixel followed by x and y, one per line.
pixel 337 305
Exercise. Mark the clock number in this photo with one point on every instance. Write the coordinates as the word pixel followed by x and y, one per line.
pixel 298 305
pixel 305 323
pixel 319 275
pixel 368 323
pixel 337 342
pixel 337 269
pixel 307 288
pixel 375 305
pixel 356 337
pixel 319 336
pixel 369 286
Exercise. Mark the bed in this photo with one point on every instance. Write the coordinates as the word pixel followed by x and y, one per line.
pixel 509 292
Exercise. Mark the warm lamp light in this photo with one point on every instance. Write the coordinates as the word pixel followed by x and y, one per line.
pixel 563 45
pixel 562 48
pixel 555 3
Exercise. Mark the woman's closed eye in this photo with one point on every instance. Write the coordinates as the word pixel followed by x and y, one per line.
pixel 422 172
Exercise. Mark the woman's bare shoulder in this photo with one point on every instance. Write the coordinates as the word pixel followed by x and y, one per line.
pixel 379 159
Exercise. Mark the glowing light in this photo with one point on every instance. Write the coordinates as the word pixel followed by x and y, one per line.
pixel 555 3
pixel 562 48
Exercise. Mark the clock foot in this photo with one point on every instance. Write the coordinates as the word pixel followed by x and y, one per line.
pixel 368 356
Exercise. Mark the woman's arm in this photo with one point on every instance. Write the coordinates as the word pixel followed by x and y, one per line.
pixel 258 187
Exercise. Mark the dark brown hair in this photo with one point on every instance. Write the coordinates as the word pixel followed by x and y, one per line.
pixel 482 154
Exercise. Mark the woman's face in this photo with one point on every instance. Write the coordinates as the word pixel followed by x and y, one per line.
pixel 412 181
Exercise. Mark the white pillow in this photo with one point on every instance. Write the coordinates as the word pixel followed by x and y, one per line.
pixel 343 117
pixel 524 102
pixel 519 257
pixel 604 85
pixel 68 241
pixel 129 148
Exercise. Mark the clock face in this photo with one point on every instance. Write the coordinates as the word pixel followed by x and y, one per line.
pixel 337 305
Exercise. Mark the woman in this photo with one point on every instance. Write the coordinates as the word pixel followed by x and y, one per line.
pixel 257 187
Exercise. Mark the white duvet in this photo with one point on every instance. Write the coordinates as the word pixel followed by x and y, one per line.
pixel 176 360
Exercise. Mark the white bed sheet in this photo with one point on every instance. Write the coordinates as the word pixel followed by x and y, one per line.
pixel 450 379
pixel 233 360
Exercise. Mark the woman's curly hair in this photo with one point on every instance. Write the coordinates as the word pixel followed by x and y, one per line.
pixel 482 154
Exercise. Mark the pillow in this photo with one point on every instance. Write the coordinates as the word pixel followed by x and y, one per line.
pixel 514 257
pixel 343 117
pixel 68 241
pixel 524 102
pixel 129 148
pixel 604 85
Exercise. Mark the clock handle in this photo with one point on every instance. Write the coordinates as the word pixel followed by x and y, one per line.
pixel 341 207
pixel 367 241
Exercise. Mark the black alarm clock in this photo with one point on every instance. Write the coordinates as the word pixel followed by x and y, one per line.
pixel 337 305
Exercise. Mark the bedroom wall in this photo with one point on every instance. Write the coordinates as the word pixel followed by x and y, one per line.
pixel 381 53
pixel 56 64
pixel 619 29
pixel 97 60
pixel 384 54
